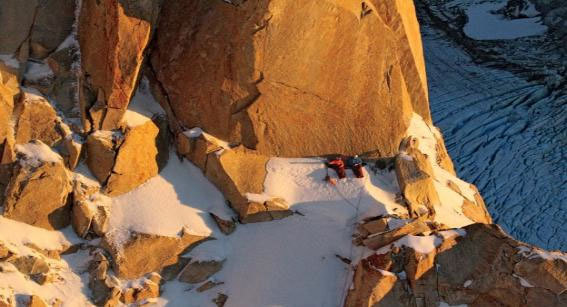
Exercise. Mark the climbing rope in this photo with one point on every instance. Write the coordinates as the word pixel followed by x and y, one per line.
pixel 351 249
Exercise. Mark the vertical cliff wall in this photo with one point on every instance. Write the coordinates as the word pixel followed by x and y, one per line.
pixel 293 78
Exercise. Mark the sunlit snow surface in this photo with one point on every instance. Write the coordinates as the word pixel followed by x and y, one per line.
pixel 506 135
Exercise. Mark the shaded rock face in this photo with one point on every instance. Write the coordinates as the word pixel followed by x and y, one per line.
pixel 37 26
pixel 38 189
pixel 485 267
pixel 293 78
pixel 113 36
pixel 145 253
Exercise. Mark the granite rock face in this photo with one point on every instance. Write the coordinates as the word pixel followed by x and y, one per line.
pixel 479 265
pixel 293 78
pixel 113 36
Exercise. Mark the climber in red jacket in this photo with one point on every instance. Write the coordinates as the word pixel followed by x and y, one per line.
pixel 339 166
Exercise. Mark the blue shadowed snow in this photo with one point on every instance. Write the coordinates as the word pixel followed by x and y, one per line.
pixel 507 136
pixel 483 24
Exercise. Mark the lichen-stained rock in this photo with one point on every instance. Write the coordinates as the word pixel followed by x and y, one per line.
pixel 101 153
pixel 53 22
pixel 144 253
pixel 415 178
pixel 136 160
pixel 38 189
pixel 36 120
pixel 478 265
pixel 260 73
pixel 113 36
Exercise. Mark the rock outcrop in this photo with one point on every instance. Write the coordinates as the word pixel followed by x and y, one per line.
pixel 479 266
pixel 37 120
pixel 416 179
pixel 123 160
pixel 274 80
pixel 113 36
pixel 136 159
pixel 238 173
pixel 38 189
pixel 144 253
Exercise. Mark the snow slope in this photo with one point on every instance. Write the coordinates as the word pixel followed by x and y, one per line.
pixel 506 135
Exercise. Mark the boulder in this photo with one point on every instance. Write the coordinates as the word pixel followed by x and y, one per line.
pixel 113 36
pixel 38 189
pixel 199 271
pixel 90 211
pixel 220 300
pixel 53 22
pixel 209 285
pixel 263 67
pixel 105 290
pixel 136 160
pixel 226 226
pixel 239 173
pixel 101 153
pixel 37 120
pixel 415 178
pixel 382 239
pixel 7 298
pixel 71 151
pixel 30 264
pixel 143 253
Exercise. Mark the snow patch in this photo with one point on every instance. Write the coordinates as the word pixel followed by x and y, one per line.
pixel 36 71
pixel 19 234
pixel 36 153
pixel 10 60
pixel 179 197
pixel 421 244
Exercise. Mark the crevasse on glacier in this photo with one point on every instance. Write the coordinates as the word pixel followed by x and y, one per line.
pixel 506 135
